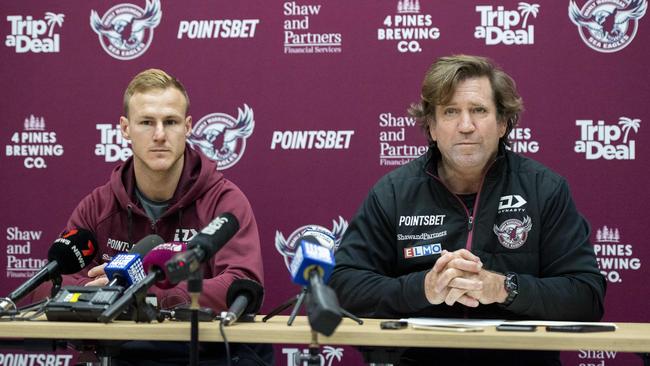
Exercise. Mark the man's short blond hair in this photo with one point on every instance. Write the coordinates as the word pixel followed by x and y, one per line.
pixel 153 79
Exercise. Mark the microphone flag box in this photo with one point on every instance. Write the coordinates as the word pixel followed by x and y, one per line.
pixel 310 255
pixel 81 303
pixel 126 266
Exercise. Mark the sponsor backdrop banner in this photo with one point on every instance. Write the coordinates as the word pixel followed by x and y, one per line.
pixel 303 104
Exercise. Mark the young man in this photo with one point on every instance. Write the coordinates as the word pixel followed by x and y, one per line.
pixel 168 189
pixel 470 229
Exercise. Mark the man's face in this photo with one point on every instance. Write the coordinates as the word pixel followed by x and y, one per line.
pixel 157 127
pixel 466 129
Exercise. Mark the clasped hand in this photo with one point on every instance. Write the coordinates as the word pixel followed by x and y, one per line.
pixel 459 276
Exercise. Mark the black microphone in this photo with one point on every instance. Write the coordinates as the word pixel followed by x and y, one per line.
pixel 70 253
pixel 126 269
pixel 244 296
pixel 202 247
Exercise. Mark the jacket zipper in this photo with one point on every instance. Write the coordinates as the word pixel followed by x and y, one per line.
pixel 470 218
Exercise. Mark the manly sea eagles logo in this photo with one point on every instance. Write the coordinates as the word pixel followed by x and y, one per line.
pixel 513 233
pixel 608 25
pixel 126 31
pixel 222 138
pixel 287 247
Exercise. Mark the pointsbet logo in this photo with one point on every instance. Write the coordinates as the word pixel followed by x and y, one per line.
pixel 29 34
pixel 607 141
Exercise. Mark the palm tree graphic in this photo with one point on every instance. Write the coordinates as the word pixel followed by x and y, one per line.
pixel 53 19
pixel 629 124
pixel 331 353
pixel 527 9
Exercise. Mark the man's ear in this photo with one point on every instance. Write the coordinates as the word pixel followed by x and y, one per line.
pixel 503 127
pixel 188 126
pixel 124 128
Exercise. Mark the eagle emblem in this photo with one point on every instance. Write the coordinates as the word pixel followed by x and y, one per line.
pixel 513 233
pixel 126 31
pixel 222 138
pixel 606 26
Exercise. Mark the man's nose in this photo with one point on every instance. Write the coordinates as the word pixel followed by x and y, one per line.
pixel 159 131
pixel 466 124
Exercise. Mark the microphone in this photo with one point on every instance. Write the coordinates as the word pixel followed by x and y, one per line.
pixel 244 296
pixel 126 268
pixel 154 265
pixel 311 266
pixel 70 253
pixel 202 247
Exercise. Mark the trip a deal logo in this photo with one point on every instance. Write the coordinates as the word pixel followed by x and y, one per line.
pixel 29 34
pixel 125 31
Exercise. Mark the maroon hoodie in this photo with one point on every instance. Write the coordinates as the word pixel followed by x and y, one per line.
pixel 113 213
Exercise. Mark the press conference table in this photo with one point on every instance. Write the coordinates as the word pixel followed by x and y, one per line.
pixel 629 337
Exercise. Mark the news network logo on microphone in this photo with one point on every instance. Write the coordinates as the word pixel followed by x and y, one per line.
pixel 287 246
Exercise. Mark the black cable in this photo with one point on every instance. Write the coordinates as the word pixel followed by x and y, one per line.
pixel 225 341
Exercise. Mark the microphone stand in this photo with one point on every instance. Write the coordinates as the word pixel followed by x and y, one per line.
pixel 313 357
pixel 194 287
pixel 297 301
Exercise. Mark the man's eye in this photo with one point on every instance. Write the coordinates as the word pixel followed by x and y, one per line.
pixel 145 123
pixel 450 112
pixel 171 122
pixel 480 110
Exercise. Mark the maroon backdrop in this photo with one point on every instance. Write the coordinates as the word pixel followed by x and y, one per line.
pixel 323 88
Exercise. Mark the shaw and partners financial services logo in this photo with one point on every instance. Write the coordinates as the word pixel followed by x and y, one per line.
pixel 222 137
pixel 608 25
pixel 125 31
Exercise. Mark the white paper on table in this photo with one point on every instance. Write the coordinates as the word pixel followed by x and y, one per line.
pixel 454 321
pixel 546 323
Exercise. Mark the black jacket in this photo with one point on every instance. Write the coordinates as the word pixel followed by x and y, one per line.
pixel 524 221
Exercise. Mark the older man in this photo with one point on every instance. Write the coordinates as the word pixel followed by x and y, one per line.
pixel 470 229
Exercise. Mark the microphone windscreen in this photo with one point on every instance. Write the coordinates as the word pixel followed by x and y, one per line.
pixel 216 234
pixel 311 255
pixel 73 251
pixel 158 256
pixel 249 288
pixel 146 244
